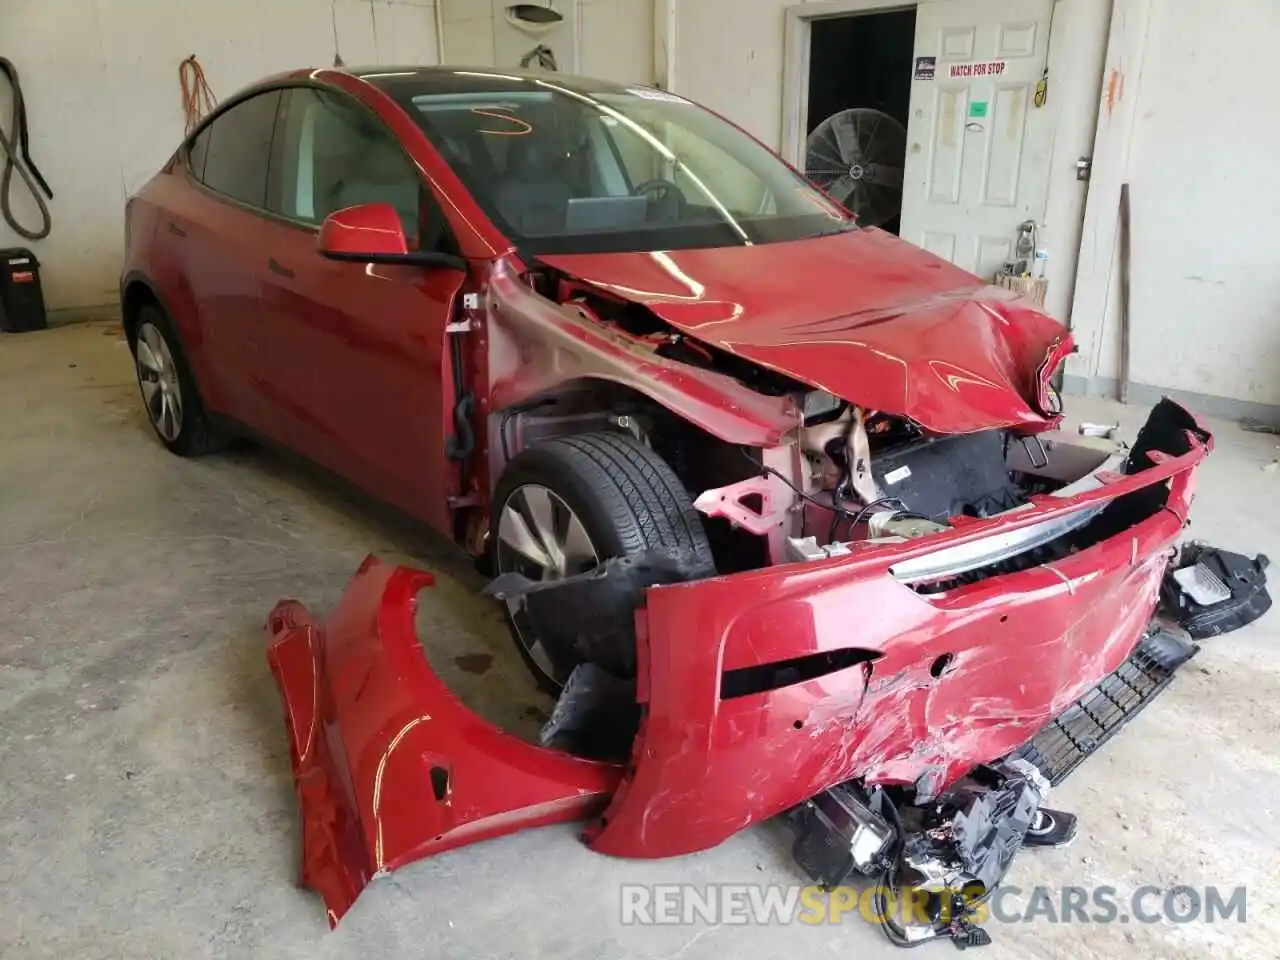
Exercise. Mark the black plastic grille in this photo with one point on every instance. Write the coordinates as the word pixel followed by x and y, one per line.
pixel 1099 715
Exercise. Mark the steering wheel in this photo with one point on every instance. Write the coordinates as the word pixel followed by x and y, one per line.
pixel 666 200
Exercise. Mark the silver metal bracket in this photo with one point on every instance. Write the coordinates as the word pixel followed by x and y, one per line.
pixel 470 306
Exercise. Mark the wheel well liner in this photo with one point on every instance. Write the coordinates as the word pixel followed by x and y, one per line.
pixel 136 293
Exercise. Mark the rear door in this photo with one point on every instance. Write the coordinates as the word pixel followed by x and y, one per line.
pixel 978 147
pixel 357 351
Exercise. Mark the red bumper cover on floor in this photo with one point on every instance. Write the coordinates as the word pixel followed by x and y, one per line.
pixel 389 765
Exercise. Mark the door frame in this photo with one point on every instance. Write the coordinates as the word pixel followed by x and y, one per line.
pixel 797 39
pixel 1082 246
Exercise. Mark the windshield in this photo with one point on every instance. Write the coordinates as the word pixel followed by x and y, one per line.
pixel 566 171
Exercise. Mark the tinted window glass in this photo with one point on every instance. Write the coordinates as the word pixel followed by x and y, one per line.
pixel 333 154
pixel 196 154
pixel 239 149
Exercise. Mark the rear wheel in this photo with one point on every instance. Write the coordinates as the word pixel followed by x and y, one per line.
pixel 565 506
pixel 168 390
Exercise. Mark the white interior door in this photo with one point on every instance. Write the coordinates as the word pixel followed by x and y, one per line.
pixel 978 148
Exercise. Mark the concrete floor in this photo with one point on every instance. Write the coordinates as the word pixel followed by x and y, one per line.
pixel 147 809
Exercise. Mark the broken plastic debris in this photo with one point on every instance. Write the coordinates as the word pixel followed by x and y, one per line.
pixel 1106 431
pixel 1257 426
pixel 1201 584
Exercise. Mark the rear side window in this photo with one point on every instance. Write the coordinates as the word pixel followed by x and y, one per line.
pixel 196 154
pixel 237 154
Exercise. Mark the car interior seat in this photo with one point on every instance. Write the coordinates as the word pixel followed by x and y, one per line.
pixel 533 193
pixel 379 172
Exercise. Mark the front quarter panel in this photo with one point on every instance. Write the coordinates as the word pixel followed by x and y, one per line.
pixel 389 766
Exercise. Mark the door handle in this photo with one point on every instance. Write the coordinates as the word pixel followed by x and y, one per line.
pixel 176 230
pixel 275 266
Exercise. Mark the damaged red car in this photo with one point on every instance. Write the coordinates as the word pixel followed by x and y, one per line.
pixel 774 504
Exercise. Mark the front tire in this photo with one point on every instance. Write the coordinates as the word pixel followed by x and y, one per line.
pixel 568 504
pixel 168 390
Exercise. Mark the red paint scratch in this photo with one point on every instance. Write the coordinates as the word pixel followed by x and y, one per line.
pixel 1115 91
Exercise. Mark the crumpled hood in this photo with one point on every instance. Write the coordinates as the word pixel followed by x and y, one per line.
pixel 862 315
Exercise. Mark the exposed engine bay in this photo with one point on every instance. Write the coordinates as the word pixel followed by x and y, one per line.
pixel 852 481
pixel 838 474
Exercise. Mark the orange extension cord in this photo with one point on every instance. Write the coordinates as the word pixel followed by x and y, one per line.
pixel 197 98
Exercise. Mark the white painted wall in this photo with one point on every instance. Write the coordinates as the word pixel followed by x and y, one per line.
pixel 104 105
pixel 609 39
pixel 1202 161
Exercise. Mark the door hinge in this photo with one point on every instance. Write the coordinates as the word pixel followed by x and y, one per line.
pixel 1084 169
pixel 470 307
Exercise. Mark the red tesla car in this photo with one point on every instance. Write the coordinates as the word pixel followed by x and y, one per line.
pixel 772 501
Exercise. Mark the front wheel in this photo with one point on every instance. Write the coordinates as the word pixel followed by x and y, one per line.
pixel 565 506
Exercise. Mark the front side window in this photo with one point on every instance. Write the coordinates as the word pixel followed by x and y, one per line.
pixel 566 171
pixel 332 154
pixel 234 151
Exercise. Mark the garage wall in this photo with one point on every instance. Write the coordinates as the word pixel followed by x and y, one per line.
pixel 732 62
pixel 104 105
pixel 1202 161
pixel 609 39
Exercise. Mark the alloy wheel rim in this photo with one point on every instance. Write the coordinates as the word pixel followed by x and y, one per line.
pixel 541 537
pixel 158 378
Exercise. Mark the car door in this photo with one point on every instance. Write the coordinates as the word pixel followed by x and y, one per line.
pixel 357 351
pixel 979 148
pixel 212 230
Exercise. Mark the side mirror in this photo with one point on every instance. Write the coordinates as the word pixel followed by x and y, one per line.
pixel 373 233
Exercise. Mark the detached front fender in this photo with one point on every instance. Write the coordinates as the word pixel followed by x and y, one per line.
pixel 389 765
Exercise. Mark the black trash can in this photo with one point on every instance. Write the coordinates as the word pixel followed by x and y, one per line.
pixel 21 299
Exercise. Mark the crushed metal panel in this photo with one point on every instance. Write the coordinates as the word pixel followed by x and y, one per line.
pixel 537 345
pixel 913 336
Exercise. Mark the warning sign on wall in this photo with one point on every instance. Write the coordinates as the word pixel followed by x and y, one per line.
pixel 981 68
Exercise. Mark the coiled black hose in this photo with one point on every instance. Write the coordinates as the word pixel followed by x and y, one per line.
pixel 16 149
